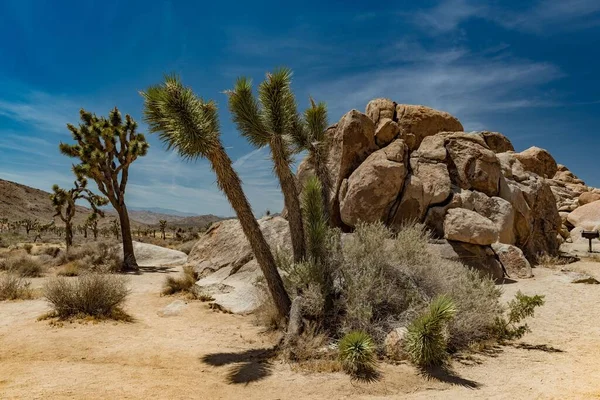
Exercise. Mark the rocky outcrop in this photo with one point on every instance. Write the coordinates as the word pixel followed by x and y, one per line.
pixel 513 260
pixel 538 161
pixel 586 217
pixel 466 226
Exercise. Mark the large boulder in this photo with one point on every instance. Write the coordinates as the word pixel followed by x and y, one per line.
pixel 224 259
pixel 564 175
pixel 473 165
pixel 538 161
pixel 149 255
pixel 480 258
pixel 513 260
pixel 379 109
pixel 370 191
pixel 588 197
pixel 496 141
pixel 496 209
pixel 586 217
pixel 467 226
pixel 422 121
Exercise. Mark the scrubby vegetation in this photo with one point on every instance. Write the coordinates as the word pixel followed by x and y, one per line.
pixel 13 287
pixel 88 295
pixel 521 307
pixel 184 283
pixel 357 352
pixel 96 257
pixel 22 265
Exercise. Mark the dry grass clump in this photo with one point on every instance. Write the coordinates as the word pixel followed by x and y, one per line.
pixel 23 265
pixel 184 283
pixel 14 287
pixel 187 246
pixel 89 295
pixel 94 257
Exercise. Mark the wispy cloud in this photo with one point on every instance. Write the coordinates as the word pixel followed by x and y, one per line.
pixel 545 17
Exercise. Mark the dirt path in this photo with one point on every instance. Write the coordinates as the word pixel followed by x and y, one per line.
pixel 201 354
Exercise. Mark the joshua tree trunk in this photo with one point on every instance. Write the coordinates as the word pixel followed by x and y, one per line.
pixel 290 197
pixel 229 182
pixel 129 261
pixel 68 234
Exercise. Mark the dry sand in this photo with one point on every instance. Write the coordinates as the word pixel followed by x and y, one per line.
pixel 202 354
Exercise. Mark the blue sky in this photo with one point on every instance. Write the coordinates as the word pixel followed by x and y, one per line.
pixel 526 69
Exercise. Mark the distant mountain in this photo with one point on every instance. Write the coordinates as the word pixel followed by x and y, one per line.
pixel 18 202
pixel 164 211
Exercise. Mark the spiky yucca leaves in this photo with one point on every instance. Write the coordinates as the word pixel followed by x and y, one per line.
pixel 426 342
pixel 64 204
pixel 269 121
pixel 310 135
pixel 190 125
pixel 357 352
pixel 317 231
pixel 106 148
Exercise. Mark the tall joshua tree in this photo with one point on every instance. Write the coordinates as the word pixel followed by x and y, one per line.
pixel 191 126
pixel 106 148
pixel 310 136
pixel 268 121
pixel 163 228
pixel 64 204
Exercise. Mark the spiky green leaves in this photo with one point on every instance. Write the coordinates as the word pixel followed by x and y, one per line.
pixel 184 121
pixel 426 341
pixel 315 224
pixel 246 113
pixel 357 352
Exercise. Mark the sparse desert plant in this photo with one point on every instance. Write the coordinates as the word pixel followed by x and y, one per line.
pixel 28 247
pixel 13 287
pixel 187 246
pixel 71 269
pixel 184 283
pixel 426 340
pixel 309 345
pixel 191 125
pixel 97 257
pixel 357 352
pixel 94 295
pixel 23 265
pixel 521 307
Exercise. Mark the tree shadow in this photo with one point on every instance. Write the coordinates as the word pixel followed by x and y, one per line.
pixel 249 366
pixel 369 375
pixel 540 347
pixel 154 270
pixel 446 375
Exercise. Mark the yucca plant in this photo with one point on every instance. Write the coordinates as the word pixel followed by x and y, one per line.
pixel 311 136
pixel 357 352
pixel 426 341
pixel 190 125
pixel 270 121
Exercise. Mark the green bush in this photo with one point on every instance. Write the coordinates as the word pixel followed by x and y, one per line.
pixel 95 295
pixel 357 352
pixel 521 307
pixel 426 339
pixel 13 287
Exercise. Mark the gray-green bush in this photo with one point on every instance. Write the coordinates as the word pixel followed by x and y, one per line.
pixel 13 287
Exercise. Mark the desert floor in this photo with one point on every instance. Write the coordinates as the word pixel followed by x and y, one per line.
pixel 203 354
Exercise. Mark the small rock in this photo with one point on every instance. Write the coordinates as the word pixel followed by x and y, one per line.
pixel 173 309
pixel 394 343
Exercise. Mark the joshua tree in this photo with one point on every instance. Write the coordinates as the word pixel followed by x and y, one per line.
pixel 268 121
pixel 29 224
pixel 191 125
pixel 163 228
pixel 106 148
pixel 42 229
pixel 311 136
pixel 64 204
pixel 92 222
pixel 115 228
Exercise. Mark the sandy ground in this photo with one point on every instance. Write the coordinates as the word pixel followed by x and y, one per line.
pixel 202 354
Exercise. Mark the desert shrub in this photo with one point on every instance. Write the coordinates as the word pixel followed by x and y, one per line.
pixel 521 307
pixel 95 295
pixel 70 269
pixel 27 247
pixel 13 287
pixel 184 283
pixel 357 352
pixel 187 247
pixel 23 265
pixel 427 339
pixel 51 251
pixel 95 257
pixel 309 345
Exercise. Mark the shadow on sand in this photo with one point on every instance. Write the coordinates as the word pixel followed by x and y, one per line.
pixel 151 270
pixel 248 366
pixel 446 375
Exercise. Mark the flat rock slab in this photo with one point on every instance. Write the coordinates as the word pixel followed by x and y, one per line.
pixel 149 255
pixel 173 309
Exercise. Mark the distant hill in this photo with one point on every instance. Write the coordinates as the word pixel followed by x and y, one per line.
pixel 164 211
pixel 18 202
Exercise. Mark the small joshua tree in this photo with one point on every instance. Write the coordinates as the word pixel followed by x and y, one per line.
pixel 106 148
pixel 29 224
pixel 64 204
pixel 92 223
pixel 163 228
pixel 115 228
